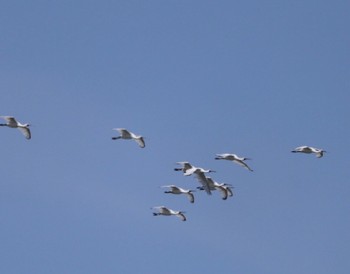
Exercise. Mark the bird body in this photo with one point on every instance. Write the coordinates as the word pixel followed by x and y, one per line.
pixel 225 189
pixel 234 158
pixel 196 170
pixel 178 190
pixel 307 149
pixel 200 175
pixel 13 123
pixel 162 210
pixel 127 135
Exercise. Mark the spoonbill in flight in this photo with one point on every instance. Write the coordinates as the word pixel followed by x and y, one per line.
pixel 224 188
pixel 178 190
pixel 195 170
pixel 13 123
pixel 127 135
pixel 306 149
pixel 234 158
pixel 200 174
pixel 162 210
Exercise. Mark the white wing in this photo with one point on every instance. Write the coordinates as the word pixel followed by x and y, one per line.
pixel 175 189
pixel 190 197
pixel 243 164
pixel 229 191
pixel 171 186
pixel 181 216
pixel 26 132
pixel 223 191
pixel 319 154
pixel 125 134
pixel 226 156
pixel 140 141
pixel 163 210
pixel 190 171
pixel 210 183
pixel 11 121
pixel 185 166
pixel 304 149
pixel 203 180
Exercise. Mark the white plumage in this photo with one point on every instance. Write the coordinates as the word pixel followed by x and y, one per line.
pixel 200 175
pixel 162 210
pixel 307 149
pixel 225 189
pixel 184 166
pixel 13 123
pixel 127 135
pixel 173 189
pixel 234 158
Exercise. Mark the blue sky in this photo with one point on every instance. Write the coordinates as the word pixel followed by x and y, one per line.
pixel 196 78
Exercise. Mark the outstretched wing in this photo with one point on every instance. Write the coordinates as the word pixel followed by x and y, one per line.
pixel 169 186
pixel 26 132
pixel 125 134
pixel 163 210
pixel 210 183
pixel 190 171
pixel 243 164
pixel 319 154
pixel 185 166
pixel 11 121
pixel 181 216
pixel 190 197
pixel 140 142
pixel 223 192
pixel 229 191
pixel 203 180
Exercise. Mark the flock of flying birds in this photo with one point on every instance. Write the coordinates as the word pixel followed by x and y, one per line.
pixel 207 183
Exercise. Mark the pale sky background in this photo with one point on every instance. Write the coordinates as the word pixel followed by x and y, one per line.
pixel 196 78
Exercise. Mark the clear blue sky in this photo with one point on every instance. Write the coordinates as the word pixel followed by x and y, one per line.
pixel 196 78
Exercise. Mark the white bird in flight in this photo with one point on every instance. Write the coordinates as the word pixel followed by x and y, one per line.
pixel 127 135
pixel 178 190
pixel 162 210
pixel 234 158
pixel 13 123
pixel 196 170
pixel 224 188
pixel 306 149
pixel 200 174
